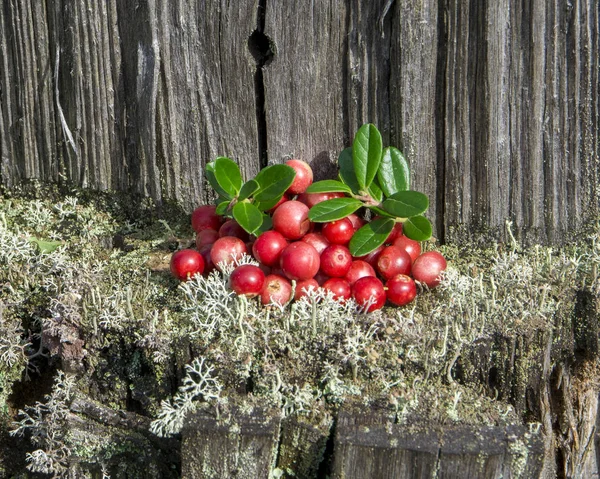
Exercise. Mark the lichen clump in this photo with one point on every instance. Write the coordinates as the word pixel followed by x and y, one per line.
pixel 85 294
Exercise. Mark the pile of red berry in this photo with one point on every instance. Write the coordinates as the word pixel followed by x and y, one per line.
pixel 309 253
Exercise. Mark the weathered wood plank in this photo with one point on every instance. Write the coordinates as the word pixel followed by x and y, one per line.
pixel 304 83
pixel 371 444
pixel 242 443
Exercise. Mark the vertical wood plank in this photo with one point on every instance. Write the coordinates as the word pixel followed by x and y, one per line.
pixel 304 83
pixel 413 103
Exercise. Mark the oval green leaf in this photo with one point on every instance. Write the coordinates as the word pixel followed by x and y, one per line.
pixel 249 188
pixel 329 186
pixel 380 212
pixel 370 236
pixel 417 228
pixel 267 224
pixel 347 174
pixel 228 175
pixel 393 174
pixel 222 205
pixel 209 171
pixel 332 210
pixel 375 192
pixel 248 216
pixel 405 204
pixel 273 181
pixel 366 154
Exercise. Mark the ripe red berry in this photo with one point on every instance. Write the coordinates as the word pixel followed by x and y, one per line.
pixel 336 261
pixel 291 220
pixel 300 261
pixel 268 247
pixel 428 267
pixel 227 250
pixel 303 179
pixel 205 237
pixel 247 280
pixel 232 228
pixel 205 217
pixel 303 287
pixel 357 221
pixel 317 240
pixel 338 232
pixel 395 233
pixel 401 289
pixel 359 269
pixel 209 266
pixel 277 289
pixel 282 200
pixel 412 247
pixel 185 263
pixel 393 261
pixel 311 199
pixel 373 256
pixel 339 287
pixel 369 290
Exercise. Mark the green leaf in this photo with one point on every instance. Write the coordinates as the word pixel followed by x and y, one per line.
pixel 45 246
pixel 222 205
pixel 273 181
pixel 375 192
pixel 347 174
pixel 334 209
pixel 405 204
pixel 228 175
pixel 329 186
pixel 370 236
pixel 209 171
pixel 248 216
pixel 248 189
pixel 393 174
pixel 366 154
pixel 267 205
pixel 417 228
pixel 380 212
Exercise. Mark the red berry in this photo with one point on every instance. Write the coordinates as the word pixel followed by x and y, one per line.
pixel 206 237
pixel 317 240
pixel 227 250
pixel 395 233
pixel 282 200
pixel 185 263
pixel 300 261
pixel 401 289
pixel 412 247
pixel 373 256
pixel 336 261
pixel 247 280
pixel 232 228
pixel 311 199
pixel 209 266
pixel 369 290
pixel 291 220
pixel 393 261
pixel 339 287
pixel 302 288
pixel 303 179
pixel 268 247
pixel 276 290
pixel 320 278
pixel 359 269
pixel 338 232
pixel 204 217
pixel 428 267
pixel 357 221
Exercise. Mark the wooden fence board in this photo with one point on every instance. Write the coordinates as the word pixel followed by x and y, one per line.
pixel 496 105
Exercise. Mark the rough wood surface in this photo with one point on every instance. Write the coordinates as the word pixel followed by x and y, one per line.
pixel 370 444
pixel 241 443
pixel 496 105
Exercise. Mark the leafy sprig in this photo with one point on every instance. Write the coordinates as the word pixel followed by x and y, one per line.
pixel 378 179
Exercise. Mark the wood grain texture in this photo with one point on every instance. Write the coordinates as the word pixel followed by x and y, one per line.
pixel 241 444
pixel 369 443
pixel 495 104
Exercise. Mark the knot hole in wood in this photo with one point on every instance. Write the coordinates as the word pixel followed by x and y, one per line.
pixel 261 47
